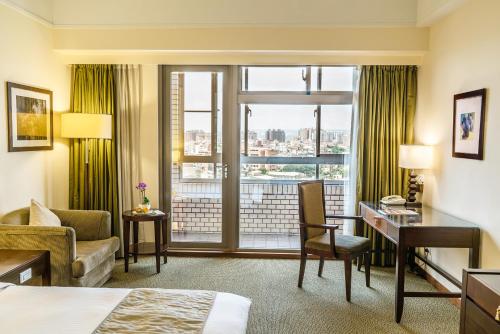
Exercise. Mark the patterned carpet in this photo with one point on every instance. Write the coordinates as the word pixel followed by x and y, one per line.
pixel 278 306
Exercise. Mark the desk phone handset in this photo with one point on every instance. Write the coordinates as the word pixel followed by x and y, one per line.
pixel 393 200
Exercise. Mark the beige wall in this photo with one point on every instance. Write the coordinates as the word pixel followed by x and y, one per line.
pixel 27 58
pixel 464 49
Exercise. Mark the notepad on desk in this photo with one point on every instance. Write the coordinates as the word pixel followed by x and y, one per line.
pixel 397 212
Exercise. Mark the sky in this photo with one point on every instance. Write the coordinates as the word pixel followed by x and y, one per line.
pixel 287 117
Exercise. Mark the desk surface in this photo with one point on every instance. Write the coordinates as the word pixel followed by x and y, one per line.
pixel 427 217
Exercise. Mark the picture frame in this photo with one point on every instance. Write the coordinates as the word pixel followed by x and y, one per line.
pixel 468 124
pixel 30 118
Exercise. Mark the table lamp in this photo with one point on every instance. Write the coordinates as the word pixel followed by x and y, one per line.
pixel 414 157
pixel 86 126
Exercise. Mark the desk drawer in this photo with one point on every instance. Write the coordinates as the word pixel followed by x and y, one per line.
pixel 477 321
pixel 375 220
pixel 482 290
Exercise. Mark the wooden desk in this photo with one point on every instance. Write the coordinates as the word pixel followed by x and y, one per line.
pixel 430 228
pixel 13 262
pixel 161 237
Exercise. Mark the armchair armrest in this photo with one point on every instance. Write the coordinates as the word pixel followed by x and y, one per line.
pixel 59 241
pixel 89 225
pixel 343 217
pixel 322 226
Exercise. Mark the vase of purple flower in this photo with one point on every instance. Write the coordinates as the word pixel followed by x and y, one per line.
pixel 145 204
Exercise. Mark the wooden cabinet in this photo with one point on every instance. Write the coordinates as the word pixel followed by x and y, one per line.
pixel 22 267
pixel 480 302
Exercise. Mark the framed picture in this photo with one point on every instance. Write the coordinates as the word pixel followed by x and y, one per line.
pixel 30 123
pixel 468 124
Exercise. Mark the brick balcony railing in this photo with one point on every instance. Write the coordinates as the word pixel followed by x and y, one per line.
pixel 265 208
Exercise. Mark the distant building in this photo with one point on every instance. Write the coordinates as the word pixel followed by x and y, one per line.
pixel 276 134
pixel 307 134
pixel 252 135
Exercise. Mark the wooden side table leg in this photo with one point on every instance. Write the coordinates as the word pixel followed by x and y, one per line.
pixel 164 234
pixel 126 242
pixel 157 244
pixel 136 240
pixel 46 276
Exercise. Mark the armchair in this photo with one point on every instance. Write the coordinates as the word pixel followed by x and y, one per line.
pixel 82 250
pixel 315 240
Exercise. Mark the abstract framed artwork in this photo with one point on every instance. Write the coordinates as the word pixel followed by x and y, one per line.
pixel 468 124
pixel 30 118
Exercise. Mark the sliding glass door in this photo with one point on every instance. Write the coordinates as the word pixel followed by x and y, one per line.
pixel 295 126
pixel 197 162
pixel 236 140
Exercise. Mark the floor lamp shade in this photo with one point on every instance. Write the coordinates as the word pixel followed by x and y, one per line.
pixel 78 125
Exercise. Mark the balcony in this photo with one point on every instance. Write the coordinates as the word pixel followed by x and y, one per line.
pixel 268 213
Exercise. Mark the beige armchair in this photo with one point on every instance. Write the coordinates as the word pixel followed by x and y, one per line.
pixel 82 250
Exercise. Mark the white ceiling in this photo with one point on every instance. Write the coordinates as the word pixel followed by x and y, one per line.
pixel 184 13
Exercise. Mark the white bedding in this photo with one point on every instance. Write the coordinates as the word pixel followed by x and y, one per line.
pixel 25 309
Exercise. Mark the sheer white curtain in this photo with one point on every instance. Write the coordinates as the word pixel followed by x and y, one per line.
pixel 128 82
pixel 350 184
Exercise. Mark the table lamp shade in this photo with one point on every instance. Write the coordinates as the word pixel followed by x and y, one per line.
pixel 415 156
pixel 78 125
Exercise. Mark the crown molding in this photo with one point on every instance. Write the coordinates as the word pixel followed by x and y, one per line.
pixel 27 13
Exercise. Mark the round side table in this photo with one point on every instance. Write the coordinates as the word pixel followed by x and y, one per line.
pixel 158 248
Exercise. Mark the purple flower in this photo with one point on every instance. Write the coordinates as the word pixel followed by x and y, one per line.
pixel 141 186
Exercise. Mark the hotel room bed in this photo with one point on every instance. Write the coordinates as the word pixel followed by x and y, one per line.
pixel 26 309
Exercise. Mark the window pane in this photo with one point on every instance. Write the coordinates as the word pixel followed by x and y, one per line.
pixel 197 171
pixel 197 133
pixel 335 129
pixel 334 172
pixel 274 79
pixel 277 172
pixel 197 91
pixel 280 130
pixel 337 78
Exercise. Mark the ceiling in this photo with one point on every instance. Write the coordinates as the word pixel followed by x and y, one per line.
pixel 199 13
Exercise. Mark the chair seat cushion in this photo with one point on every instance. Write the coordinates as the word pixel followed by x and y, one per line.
pixel 343 243
pixel 89 254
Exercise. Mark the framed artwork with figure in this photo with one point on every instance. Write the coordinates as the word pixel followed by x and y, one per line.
pixel 30 123
pixel 468 124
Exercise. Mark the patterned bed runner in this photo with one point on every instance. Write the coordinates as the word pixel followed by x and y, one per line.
pixel 159 311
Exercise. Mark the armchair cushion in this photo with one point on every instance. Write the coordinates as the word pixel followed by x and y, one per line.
pixel 343 243
pixel 90 254
pixel 88 224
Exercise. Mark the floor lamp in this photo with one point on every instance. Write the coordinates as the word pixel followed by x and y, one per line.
pixel 86 126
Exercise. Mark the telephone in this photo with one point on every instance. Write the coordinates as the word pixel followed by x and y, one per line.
pixel 393 200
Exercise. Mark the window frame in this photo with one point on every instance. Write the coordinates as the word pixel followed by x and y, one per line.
pixel 214 158
pixel 314 98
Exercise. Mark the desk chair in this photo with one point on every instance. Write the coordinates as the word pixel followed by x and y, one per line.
pixel 315 240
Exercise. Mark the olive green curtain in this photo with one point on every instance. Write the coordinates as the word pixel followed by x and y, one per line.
pixel 93 92
pixel 387 98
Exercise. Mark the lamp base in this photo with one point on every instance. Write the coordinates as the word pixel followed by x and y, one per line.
pixel 412 187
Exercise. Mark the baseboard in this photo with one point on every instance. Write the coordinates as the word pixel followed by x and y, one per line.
pixel 439 287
